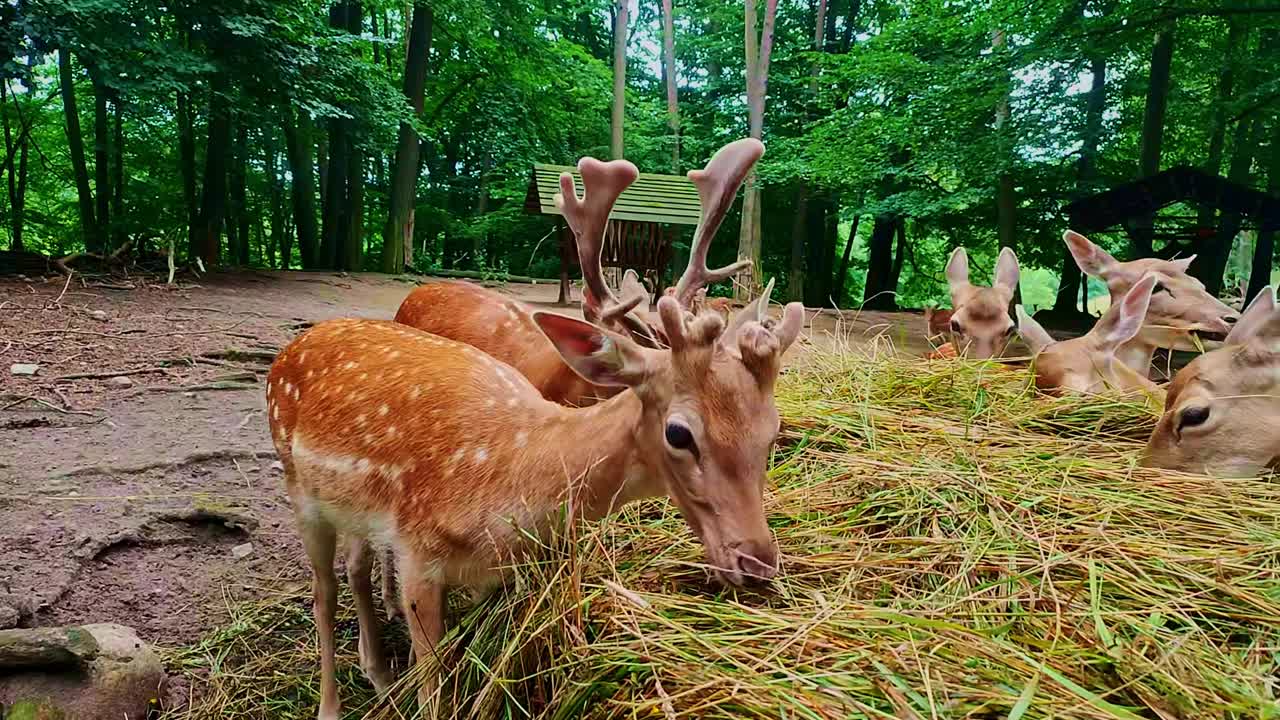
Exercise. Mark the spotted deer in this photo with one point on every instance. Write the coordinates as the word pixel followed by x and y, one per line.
pixel 504 328
pixel 395 436
pixel 1182 314
pixel 1222 412
pixel 980 323
pixel 1089 364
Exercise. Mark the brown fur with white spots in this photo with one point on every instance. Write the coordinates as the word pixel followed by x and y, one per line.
pixel 1222 416
pixel 1181 316
pixel 1089 364
pixel 396 436
pixel 980 322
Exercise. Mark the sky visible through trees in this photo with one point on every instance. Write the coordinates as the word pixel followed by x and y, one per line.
pixel 371 135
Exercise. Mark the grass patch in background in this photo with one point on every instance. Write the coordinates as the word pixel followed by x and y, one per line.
pixel 953 544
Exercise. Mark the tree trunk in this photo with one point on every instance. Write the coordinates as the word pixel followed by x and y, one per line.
pixel 878 292
pixel 842 275
pixel 899 253
pixel 238 218
pixel 619 78
pixel 799 228
pixel 1153 127
pixel 757 86
pixel 101 161
pixel 1264 250
pixel 297 133
pixel 669 62
pixel 275 199
pixel 213 205
pixel 354 214
pixel 1236 33
pixel 1006 201
pixel 117 172
pixel 397 234
pixel 1211 260
pixel 187 168
pixel 1070 279
pixel 17 175
pixel 75 144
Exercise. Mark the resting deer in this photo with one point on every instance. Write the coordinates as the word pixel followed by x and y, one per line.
pixel 504 328
pixel 1181 316
pixel 394 435
pixel 980 319
pixel 1089 364
pixel 1222 415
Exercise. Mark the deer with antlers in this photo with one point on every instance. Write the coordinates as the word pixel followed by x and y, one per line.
pixel 392 435
pixel 1222 413
pixel 504 328
pixel 1091 363
pixel 1181 314
pixel 979 322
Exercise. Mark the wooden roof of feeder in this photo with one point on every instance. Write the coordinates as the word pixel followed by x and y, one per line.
pixel 661 199
pixel 1179 184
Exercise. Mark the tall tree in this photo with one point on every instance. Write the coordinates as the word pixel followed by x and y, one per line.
pixel 297 133
pixel 669 67
pixel 238 211
pixel 1264 251
pixel 616 148
pixel 1006 200
pixel 799 229
pixel 101 159
pixel 117 173
pixel 397 234
pixel 1070 277
pixel 75 144
pixel 758 49
pixel 1152 140
pixel 17 174
pixel 213 205
pixel 1236 34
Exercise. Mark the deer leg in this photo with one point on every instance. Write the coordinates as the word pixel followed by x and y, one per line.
pixel 373 660
pixel 390 600
pixel 423 599
pixel 319 538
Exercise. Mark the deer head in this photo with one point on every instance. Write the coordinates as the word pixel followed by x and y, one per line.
pixel 1089 364
pixel 717 185
pixel 1181 316
pixel 708 413
pixel 980 316
pixel 1222 415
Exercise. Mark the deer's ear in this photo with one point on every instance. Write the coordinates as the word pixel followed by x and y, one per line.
pixel 1091 259
pixel 1032 332
pixel 599 356
pixel 958 269
pixel 1124 319
pixel 1006 271
pixel 1259 319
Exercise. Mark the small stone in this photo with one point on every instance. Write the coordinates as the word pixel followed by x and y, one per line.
pixel 121 381
pixel 98 315
pixel 242 551
pixel 24 369
pixel 23 278
pixel 278 466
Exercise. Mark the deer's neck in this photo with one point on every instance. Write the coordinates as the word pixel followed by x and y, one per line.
pixel 591 457
pixel 1137 355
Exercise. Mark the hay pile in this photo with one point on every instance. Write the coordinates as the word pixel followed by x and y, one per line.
pixel 954 546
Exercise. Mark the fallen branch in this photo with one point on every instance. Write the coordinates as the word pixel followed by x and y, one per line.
pixel 32 398
pixel 235 354
pixel 110 373
pixel 192 459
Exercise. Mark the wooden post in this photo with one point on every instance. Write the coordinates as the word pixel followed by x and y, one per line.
pixel 566 247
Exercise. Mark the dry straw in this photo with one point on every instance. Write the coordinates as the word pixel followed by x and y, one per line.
pixel 954 546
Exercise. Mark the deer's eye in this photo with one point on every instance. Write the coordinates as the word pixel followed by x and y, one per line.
pixel 956 327
pixel 1193 416
pixel 680 437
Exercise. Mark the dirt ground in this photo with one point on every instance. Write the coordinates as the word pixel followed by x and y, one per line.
pixel 137 479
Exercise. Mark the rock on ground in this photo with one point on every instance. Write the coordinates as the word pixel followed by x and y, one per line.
pixel 122 680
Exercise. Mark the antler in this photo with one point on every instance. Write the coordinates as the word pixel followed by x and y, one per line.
pixel 717 185
pixel 588 216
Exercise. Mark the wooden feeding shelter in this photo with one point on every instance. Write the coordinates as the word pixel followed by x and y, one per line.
pixel 642 227
pixel 1133 205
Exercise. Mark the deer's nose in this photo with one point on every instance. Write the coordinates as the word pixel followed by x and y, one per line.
pixel 756 560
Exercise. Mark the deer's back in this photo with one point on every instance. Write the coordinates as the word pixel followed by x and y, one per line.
pixel 501 327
